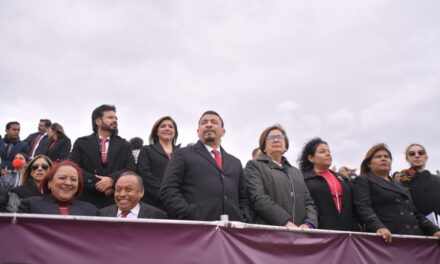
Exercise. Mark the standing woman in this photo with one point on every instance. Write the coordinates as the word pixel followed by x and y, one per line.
pixel 277 191
pixel 331 192
pixel 423 186
pixel 383 205
pixel 33 174
pixel 59 145
pixel 154 158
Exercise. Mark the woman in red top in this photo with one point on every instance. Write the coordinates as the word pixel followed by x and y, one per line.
pixel 60 188
pixel 330 191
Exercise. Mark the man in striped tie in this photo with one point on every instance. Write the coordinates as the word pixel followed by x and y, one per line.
pixel 103 156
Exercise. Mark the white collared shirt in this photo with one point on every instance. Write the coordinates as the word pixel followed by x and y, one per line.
pixel 211 149
pixel 134 212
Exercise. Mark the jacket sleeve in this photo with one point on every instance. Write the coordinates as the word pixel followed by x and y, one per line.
pixel 24 207
pixel 65 149
pixel 170 192
pixel 144 170
pixel 261 202
pixel 89 177
pixel 363 203
pixel 311 212
pixel 243 199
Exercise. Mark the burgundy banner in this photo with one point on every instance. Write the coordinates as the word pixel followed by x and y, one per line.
pixel 95 240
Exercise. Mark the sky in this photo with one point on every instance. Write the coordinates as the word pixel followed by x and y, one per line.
pixel 354 73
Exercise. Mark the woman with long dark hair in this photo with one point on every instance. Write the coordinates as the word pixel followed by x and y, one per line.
pixel 331 192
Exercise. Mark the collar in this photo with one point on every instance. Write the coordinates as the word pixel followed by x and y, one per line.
pixel 134 212
pixel 211 149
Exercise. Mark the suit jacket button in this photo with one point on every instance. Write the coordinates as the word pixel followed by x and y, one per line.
pixel 225 197
pixel 407 201
pixel 407 226
pixel 401 213
pixel 411 213
pixel 398 200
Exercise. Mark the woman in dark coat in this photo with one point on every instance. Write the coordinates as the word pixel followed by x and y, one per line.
pixel 154 158
pixel 59 145
pixel 277 191
pixel 60 188
pixel 34 173
pixel 423 186
pixel 383 205
pixel 331 192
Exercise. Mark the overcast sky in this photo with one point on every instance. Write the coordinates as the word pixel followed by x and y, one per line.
pixel 352 72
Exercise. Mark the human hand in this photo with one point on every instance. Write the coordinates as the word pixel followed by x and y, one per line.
pixel 385 233
pixel 436 234
pixel 108 192
pixel 305 226
pixel 291 225
pixel 104 183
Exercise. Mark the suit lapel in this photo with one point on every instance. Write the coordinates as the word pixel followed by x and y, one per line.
pixel 201 149
pixel 158 147
pixel 93 150
pixel 226 159
pixel 386 185
pixel 113 148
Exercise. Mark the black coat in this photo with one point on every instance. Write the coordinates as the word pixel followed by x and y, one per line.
pixel 86 153
pixel 194 188
pixel 59 151
pixel 26 190
pixel 328 216
pixel 151 166
pixel 385 204
pixel 425 191
pixel 47 205
pixel 145 211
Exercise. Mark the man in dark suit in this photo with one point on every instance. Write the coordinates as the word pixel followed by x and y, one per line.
pixel 10 146
pixel 34 140
pixel 129 190
pixel 103 156
pixel 203 182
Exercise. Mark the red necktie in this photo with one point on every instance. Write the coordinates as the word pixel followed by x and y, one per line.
pixel 124 214
pixel 217 157
pixel 103 150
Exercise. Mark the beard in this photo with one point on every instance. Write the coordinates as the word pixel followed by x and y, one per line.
pixel 108 128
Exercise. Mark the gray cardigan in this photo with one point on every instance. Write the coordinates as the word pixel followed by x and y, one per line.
pixel 278 193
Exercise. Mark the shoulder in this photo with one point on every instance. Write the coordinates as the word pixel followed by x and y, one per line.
pixel 85 138
pixel 156 212
pixel 108 211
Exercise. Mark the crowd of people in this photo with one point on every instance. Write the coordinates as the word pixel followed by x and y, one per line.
pixel 105 175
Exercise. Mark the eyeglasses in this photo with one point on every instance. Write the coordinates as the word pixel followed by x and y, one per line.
pixel 273 137
pixel 413 153
pixel 37 166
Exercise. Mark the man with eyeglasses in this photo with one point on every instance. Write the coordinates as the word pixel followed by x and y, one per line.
pixel 10 146
pixel 203 181
pixel 103 156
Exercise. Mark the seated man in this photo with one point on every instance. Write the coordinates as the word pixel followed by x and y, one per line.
pixel 129 189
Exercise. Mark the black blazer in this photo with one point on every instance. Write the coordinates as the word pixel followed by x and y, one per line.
pixel 59 151
pixel 382 203
pixel 46 204
pixel 194 188
pixel 86 153
pixel 26 190
pixel 146 211
pixel 151 166
pixel 328 216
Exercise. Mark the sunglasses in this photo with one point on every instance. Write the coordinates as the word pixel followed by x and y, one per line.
pixel 413 153
pixel 37 166
pixel 273 137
